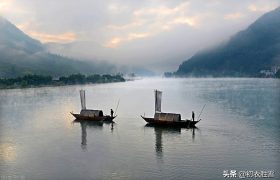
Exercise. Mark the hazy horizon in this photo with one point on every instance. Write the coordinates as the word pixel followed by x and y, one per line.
pixel 158 35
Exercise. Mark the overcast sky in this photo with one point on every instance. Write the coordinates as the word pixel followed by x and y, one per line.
pixel 155 34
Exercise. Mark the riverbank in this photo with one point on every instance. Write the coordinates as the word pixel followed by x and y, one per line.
pixel 33 81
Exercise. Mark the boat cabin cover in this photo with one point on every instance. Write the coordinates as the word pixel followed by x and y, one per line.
pixel 167 116
pixel 91 113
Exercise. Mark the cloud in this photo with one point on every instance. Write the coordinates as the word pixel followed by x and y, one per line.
pixel 261 7
pixel 12 9
pixel 66 37
pixel 136 23
pixel 5 5
pixel 114 42
pixel 142 32
pixel 133 36
pixel 24 26
pixel 191 21
pixel 234 16
pixel 150 21
pixel 160 11
pixel 117 8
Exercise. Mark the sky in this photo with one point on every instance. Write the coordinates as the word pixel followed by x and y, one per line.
pixel 155 34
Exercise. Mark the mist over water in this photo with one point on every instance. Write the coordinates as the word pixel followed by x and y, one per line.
pixel 239 130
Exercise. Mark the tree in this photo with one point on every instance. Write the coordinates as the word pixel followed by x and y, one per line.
pixel 277 75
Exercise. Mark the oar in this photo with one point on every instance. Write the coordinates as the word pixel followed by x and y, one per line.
pixel 201 111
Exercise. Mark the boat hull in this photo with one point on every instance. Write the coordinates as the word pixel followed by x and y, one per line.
pixel 109 118
pixel 93 118
pixel 182 123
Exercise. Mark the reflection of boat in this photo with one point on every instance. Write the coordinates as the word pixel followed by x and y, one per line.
pixel 93 124
pixel 159 131
pixel 89 114
pixel 171 131
pixel 165 129
pixel 84 125
pixel 167 119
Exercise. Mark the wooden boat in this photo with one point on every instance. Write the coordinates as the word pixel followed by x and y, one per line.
pixel 182 123
pixel 90 114
pixel 94 118
pixel 167 119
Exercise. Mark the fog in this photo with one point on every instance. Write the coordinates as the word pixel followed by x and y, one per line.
pixel 157 35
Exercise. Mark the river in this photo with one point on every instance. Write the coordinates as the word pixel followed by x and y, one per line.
pixel 239 130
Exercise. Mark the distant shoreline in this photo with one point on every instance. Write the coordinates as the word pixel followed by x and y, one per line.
pixel 220 77
pixel 169 75
pixel 63 85
pixel 37 81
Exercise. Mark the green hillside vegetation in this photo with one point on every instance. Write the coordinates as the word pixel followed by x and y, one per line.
pixel 277 74
pixel 245 54
pixel 40 80
pixel 46 64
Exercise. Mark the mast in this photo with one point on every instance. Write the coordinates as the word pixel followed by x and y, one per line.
pixel 158 95
pixel 83 99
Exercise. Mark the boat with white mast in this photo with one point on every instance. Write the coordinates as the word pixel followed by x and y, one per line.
pixel 167 119
pixel 90 114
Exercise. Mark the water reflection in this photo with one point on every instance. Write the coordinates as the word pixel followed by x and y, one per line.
pixel 84 135
pixel 170 131
pixel 8 152
pixel 84 125
pixel 193 133
pixel 159 131
pixel 111 123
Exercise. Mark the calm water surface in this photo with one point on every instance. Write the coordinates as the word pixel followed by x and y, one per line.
pixel 239 130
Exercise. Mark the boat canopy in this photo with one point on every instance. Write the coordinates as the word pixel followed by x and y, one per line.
pixel 91 113
pixel 167 116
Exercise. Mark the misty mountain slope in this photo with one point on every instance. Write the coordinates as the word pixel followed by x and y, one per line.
pixel 89 49
pixel 245 54
pixel 46 64
pixel 13 38
pixel 20 55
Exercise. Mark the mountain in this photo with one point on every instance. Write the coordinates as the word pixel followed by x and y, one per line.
pixel 245 54
pixel 90 50
pixel 20 55
pixel 12 38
